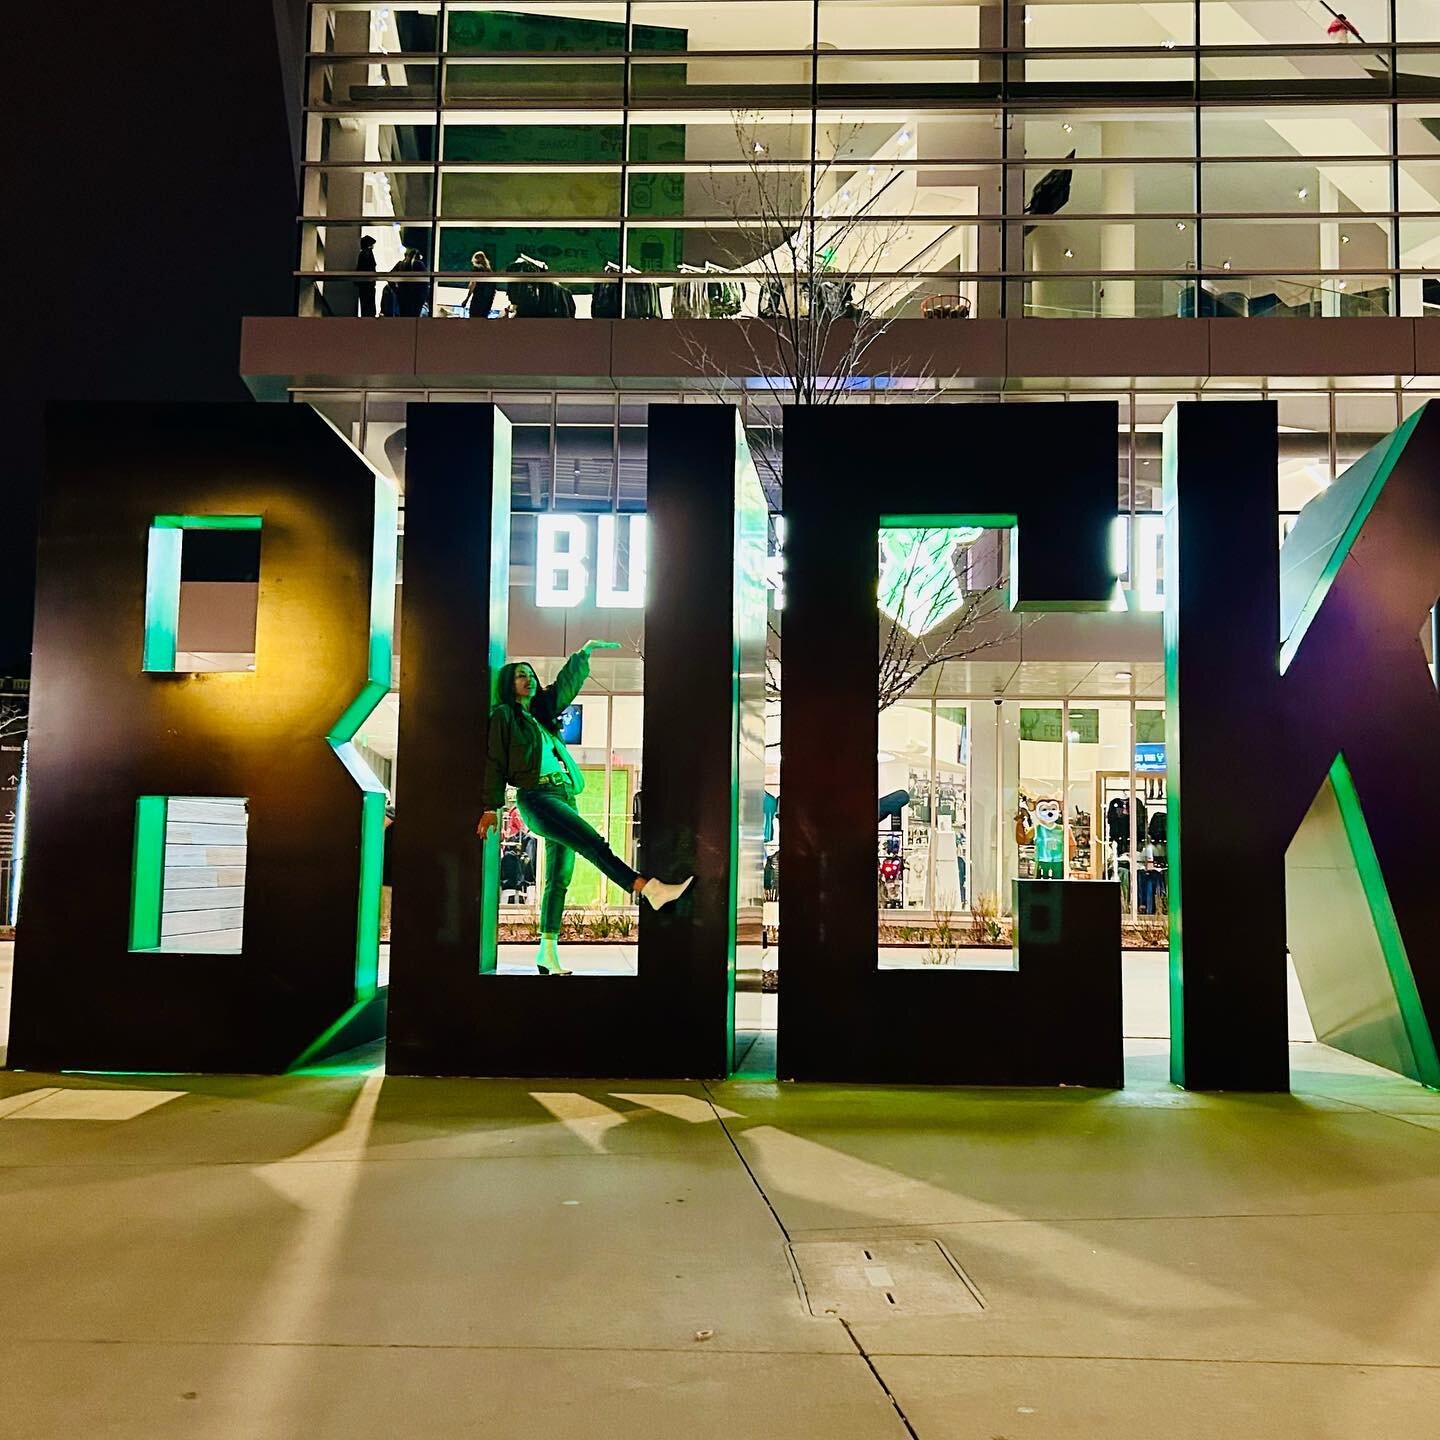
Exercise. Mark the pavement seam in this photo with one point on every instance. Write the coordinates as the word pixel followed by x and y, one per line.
pixel 1154 1359
pixel 740 1156
pixel 811 1232
pixel 690 1349
pixel 880 1381
pixel 686 1347
pixel 844 1324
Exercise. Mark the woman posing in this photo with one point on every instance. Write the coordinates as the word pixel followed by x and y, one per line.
pixel 526 751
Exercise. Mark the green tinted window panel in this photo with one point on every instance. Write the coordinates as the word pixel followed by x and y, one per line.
pixel 655 194
pixel 489 32
pixel 1046 724
pixel 538 193
pixel 536 80
pixel 565 249
pixel 540 144
pixel 1149 727
pixel 653 143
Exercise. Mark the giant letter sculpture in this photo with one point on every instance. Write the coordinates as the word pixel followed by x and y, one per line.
pixel 1048 472
pixel 1302 741
pixel 450 1012
pixel 103 979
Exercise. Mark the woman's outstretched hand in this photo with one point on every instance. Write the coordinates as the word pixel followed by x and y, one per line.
pixel 488 821
pixel 592 645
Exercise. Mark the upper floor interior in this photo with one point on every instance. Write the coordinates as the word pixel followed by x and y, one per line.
pixel 872 160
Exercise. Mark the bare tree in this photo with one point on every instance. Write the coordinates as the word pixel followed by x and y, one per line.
pixel 924 623
pixel 819 242
pixel 14 718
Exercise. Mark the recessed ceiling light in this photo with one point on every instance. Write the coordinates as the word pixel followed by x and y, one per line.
pixel 1069 254
pixel 1179 224
pixel 1303 191
pixel 1344 239
pixel 884 756
pixel 1225 266
pixel 1344 283
pixel 1068 128
pixel 1124 675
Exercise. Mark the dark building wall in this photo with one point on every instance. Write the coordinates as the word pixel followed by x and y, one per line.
pixel 151 204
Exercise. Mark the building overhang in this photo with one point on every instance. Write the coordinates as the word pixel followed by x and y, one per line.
pixel 284 353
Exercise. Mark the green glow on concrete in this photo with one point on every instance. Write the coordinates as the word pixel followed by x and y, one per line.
pixel 162 580
pixel 341 737
pixel 147 873
pixel 1387 929
pixel 317 1046
pixel 137 1074
pixel 1321 539
pixel 162 598
pixel 207 522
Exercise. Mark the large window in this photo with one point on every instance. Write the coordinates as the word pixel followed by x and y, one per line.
pixel 712 160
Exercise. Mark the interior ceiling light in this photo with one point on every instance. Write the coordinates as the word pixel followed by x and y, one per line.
pixel 1303 191
pixel 759 148
pixel 1344 239
pixel 1225 266
pixel 1179 224
pixel 1069 254
pixel 1068 127
pixel 904 137
pixel 1124 675
pixel 1344 283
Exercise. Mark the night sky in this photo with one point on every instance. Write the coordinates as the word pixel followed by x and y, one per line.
pixel 155 196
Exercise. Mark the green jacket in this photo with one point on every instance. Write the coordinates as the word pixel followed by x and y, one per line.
pixel 513 743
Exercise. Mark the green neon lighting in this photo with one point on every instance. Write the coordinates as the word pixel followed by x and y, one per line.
pixel 1175 881
pixel 147 873
pixel 162 598
pixel 497 570
pixel 1387 929
pixel 341 739
pixel 317 1046
pixel 162 580
pixel 207 522
pixel 1321 539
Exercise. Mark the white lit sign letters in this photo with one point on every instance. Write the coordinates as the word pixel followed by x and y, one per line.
pixel 566 573
pixel 578 561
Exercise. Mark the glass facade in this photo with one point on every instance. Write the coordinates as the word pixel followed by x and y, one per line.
pixel 882 157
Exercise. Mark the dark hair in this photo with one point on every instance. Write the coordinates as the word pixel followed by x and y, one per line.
pixel 367 242
pixel 541 703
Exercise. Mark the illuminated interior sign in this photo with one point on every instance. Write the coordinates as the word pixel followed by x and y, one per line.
pixel 601 560
pixel 570 570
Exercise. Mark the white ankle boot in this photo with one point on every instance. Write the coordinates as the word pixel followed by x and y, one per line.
pixel 659 894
